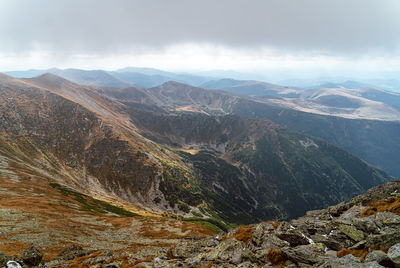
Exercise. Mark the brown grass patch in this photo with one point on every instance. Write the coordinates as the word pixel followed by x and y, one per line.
pixel 376 247
pixel 147 259
pixel 276 256
pixel 243 234
pixel 274 224
pixel 360 253
pixel 169 253
pixel 391 204
pixel 209 265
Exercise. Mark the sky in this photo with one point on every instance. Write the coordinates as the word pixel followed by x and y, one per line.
pixel 304 36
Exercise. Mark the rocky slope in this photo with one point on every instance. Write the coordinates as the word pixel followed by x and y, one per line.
pixel 364 232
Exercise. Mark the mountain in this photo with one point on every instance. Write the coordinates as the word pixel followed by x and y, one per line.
pixel 148 77
pixel 347 103
pixel 376 141
pixel 249 87
pixel 140 79
pixel 94 77
pixel 161 158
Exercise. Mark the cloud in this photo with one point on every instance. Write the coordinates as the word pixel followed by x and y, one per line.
pixel 339 26
pixel 65 29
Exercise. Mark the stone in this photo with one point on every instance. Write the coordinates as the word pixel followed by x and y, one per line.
pixel 351 232
pixel 394 254
pixel 260 230
pixel 32 256
pixel 71 253
pixel 307 254
pixel 376 255
pixel 270 240
pixel 288 233
pixel 349 261
pixel 386 239
pixel 387 218
pixel 13 264
pixel 228 250
pixel 186 250
pixel 329 241
pixel 366 224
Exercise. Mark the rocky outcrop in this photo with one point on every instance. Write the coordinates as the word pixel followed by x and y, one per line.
pixel 339 236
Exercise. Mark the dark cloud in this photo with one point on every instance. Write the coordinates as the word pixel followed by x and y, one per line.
pixel 97 26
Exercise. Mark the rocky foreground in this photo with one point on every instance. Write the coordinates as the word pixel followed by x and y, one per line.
pixel 364 232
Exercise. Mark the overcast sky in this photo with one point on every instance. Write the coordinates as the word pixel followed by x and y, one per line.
pixel 198 35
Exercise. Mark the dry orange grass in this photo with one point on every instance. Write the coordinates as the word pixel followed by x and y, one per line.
pixel 275 224
pixel 276 256
pixel 391 204
pixel 243 234
pixel 360 253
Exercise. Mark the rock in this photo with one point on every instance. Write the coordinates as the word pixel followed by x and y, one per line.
pixel 186 250
pixel 376 255
pixel 386 218
pixel 32 256
pixel 349 261
pixel 359 245
pixel 71 253
pixel 288 233
pixel 3 260
pixel 379 257
pixel 247 265
pixel 228 250
pixel 260 230
pixel 308 254
pixel 13 264
pixel 367 224
pixel 329 241
pixel 270 240
pixel 337 210
pixel 386 239
pixel 351 232
pixel 394 254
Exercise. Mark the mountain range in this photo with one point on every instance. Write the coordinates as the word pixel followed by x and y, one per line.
pixel 174 148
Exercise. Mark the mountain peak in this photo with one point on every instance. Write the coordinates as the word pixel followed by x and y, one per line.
pixel 49 80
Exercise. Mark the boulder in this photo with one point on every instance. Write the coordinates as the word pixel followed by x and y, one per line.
pixel 32 256
pixel 349 261
pixel 71 253
pixel 387 219
pixel 366 224
pixel 227 251
pixel 13 264
pixel 394 254
pixel 386 239
pixel 260 230
pixel 288 233
pixel 351 232
pixel 306 254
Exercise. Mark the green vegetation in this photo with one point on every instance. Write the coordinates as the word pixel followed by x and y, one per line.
pixel 197 214
pixel 90 204
pixel 211 223
pixel 141 154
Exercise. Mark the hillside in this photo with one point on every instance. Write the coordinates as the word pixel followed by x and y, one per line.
pixel 225 168
pixel 376 141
